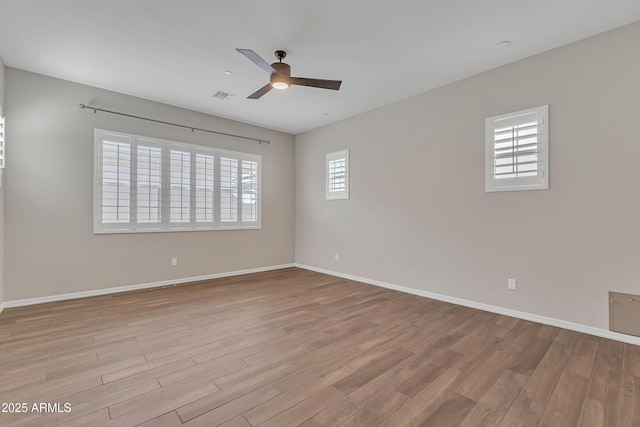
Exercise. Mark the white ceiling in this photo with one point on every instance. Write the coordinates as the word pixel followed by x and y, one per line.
pixel 384 51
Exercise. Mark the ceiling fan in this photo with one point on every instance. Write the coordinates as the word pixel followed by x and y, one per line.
pixel 281 75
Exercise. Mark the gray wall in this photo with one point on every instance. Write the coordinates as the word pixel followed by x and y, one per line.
pixel 50 245
pixel 2 185
pixel 418 214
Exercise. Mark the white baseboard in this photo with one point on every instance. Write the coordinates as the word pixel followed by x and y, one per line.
pixel 486 307
pixel 97 292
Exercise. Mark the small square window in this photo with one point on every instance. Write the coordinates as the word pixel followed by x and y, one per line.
pixel 337 172
pixel 517 151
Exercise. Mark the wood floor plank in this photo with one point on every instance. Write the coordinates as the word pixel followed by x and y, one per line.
pixel 170 419
pixel 492 406
pixel 142 400
pixel 371 370
pixel 293 396
pixel 479 381
pixel 84 373
pixel 360 398
pixel 238 421
pixel 92 419
pixel 425 399
pixel 566 402
pixel 211 370
pixel 629 404
pixel 210 402
pixel 231 409
pixel 594 413
pixel 414 384
pixel 306 409
pixel 377 411
pixel 241 349
pixel 450 413
pixel 162 407
pixel 518 338
pixel 295 347
pixel 601 405
pixel 85 407
pixel 532 400
pixel 527 361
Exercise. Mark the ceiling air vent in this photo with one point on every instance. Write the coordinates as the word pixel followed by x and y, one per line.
pixel 221 95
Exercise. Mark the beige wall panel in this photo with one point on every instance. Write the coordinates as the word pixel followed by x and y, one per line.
pixel 418 215
pixel 50 245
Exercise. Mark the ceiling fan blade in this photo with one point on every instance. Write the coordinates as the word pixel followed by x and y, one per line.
pixel 322 84
pixel 256 59
pixel 257 94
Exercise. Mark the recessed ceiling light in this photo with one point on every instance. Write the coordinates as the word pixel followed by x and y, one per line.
pixel 228 73
pixel 503 45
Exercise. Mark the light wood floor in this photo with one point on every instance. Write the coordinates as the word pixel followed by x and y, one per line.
pixel 293 347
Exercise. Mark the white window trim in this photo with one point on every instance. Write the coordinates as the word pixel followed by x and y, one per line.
pixel 331 194
pixel 165 225
pixel 538 182
pixel 2 140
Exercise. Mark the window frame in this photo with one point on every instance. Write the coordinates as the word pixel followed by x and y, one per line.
pixel 2 140
pixel 166 224
pixel 333 157
pixel 540 181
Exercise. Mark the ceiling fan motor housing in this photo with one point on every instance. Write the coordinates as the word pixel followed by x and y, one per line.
pixel 282 68
pixel 283 73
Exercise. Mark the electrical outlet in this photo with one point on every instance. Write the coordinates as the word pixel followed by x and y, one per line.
pixel 511 284
pixel 336 256
pixel 174 262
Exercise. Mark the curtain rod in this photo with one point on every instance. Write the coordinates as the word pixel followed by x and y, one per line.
pixel 95 110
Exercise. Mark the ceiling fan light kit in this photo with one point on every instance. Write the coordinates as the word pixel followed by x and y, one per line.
pixel 280 75
pixel 279 84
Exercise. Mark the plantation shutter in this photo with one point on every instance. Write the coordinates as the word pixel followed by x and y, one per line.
pixel 249 191
pixel 179 186
pixel 204 179
pixel 143 184
pixel 115 181
pixel 337 175
pixel 516 150
pixel 228 189
pixel 149 184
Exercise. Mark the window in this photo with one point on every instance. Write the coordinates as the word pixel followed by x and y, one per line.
pixel 1 139
pixel 517 151
pixel 337 172
pixel 145 184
